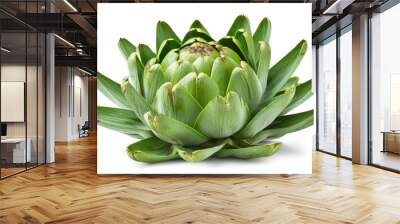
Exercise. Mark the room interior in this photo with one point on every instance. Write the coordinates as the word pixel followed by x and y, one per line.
pixel 22 102
pixel 49 122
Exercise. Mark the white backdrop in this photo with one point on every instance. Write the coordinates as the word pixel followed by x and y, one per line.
pixel 137 22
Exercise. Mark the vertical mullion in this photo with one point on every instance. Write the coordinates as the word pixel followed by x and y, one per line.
pixel 45 88
pixel 0 94
pixel 369 89
pixel 26 87
pixel 317 95
pixel 338 81
pixel 73 92
pixel 37 90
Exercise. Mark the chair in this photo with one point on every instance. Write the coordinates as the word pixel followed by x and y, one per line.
pixel 84 130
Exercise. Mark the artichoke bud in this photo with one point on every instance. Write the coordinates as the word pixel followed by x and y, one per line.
pixel 194 96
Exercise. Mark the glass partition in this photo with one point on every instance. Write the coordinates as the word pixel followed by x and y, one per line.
pixel 327 96
pixel 32 98
pixel 346 93
pixel 23 89
pixel 385 89
pixel 14 155
pixel 41 97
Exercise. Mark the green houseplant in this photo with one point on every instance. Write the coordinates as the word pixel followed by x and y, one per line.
pixel 195 98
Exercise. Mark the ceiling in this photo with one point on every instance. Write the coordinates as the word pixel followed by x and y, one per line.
pixel 75 21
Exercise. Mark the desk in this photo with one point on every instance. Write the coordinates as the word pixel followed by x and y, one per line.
pixel 18 150
pixel 391 141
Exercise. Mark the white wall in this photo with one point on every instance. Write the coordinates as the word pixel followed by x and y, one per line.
pixel 62 81
pixel 17 73
pixel 70 83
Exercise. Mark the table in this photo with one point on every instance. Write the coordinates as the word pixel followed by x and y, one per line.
pixel 18 150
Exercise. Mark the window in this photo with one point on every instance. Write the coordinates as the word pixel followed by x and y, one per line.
pixel 327 96
pixel 346 92
pixel 385 89
pixel 22 78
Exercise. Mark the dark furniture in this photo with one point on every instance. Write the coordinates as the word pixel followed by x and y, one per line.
pixel 391 141
pixel 3 129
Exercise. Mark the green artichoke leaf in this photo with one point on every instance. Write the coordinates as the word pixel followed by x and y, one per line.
pixel 198 25
pixel 176 102
pixel 237 143
pixel 136 101
pixel 164 32
pixel 290 83
pixel 204 64
pixel 151 150
pixel 127 128
pixel 246 44
pixel 163 101
pixel 145 53
pixel 186 107
pixel 153 78
pixel 166 46
pixel 284 125
pixel 189 82
pixel 241 22
pixel 173 131
pixel 177 70
pixel 198 154
pixel 283 69
pixel 303 93
pixel 112 90
pixel 221 72
pixel 170 58
pixel 135 72
pixel 244 82
pixel 120 117
pixel 263 33
pixel 229 53
pixel 251 152
pixel 121 120
pixel 233 44
pixel 192 40
pixel 195 32
pixel 223 116
pixel 206 89
pixel 267 114
pixel 126 47
pixel 118 114
pixel 264 59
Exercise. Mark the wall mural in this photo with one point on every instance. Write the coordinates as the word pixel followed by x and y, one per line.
pixel 201 98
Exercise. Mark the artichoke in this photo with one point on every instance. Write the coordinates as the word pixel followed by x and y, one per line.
pixel 196 98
